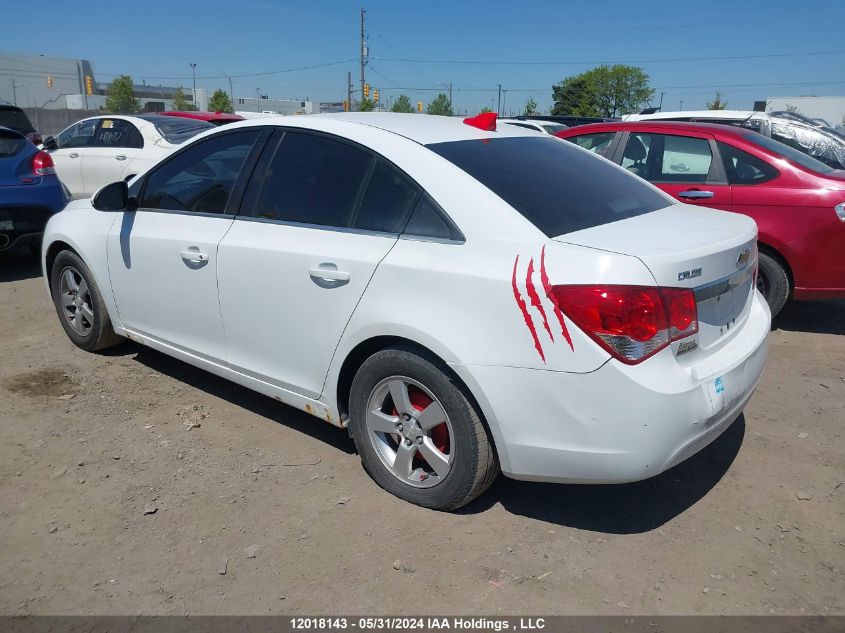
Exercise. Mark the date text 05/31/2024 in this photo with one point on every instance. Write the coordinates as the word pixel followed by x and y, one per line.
pixel 413 623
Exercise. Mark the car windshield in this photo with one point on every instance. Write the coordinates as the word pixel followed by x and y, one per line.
pixel 10 143
pixel 177 130
pixel 15 119
pixel 557 186
pixel 790 153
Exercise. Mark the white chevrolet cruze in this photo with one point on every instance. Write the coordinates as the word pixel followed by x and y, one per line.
pixel 462 299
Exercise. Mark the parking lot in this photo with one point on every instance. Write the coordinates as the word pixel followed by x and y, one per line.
pixel 133 483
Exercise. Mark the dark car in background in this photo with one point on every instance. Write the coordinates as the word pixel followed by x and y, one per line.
pixel 14 118
pixel 30 191
pixel 797 201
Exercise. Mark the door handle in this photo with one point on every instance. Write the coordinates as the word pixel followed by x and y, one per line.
pixel 73 155
pixel 194 256
pixel 328 274
pixel 695 194
pixel 120 157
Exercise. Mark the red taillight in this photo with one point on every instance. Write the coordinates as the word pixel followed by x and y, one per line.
pixel 631 322
pixel 42 164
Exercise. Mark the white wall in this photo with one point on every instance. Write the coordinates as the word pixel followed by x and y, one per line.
pixel 832 109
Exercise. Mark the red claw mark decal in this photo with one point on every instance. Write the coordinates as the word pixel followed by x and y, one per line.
pixel 535 298
pixel 524 309
pixel 547 288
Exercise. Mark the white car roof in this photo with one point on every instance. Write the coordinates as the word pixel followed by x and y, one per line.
pixel 732 115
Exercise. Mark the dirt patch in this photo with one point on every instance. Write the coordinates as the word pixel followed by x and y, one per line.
pixel 50 382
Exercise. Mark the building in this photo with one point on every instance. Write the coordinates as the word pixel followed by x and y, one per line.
pixel 275 106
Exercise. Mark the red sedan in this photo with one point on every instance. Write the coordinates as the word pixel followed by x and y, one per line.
pixel 216 118
pixel 797 201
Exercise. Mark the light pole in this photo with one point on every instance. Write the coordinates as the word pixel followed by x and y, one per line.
pixel 194 75
pixel 257 100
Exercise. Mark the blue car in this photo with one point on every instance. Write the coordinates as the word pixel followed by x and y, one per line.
pixel 30 191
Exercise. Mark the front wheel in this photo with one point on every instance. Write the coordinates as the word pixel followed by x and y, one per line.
pixel 418 435
pixel 772 282
pixel 79 303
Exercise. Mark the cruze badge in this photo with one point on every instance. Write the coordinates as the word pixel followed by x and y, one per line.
pixel 742 260
pixel 689 274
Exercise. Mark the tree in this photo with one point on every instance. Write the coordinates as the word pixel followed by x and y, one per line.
pixel 402 104
pixel 603 91
pixel 180 103
pixel 484 110
pixel 220 102
pixel 365 105
pixel 530 107
pixel 441 105
pixel 120 96
pixel 717 103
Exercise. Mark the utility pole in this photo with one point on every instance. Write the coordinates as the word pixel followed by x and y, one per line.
pixel 231 92
pixel 363 52
pixel 349 89
pixel 499 107
pixel 194 75
pixel 661 100
pixel 257 100
pixel 14 93
pixel 682 105
pixel 450 95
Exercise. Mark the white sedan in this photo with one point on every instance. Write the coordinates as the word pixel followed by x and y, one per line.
pixel 103 149
pixel 462 298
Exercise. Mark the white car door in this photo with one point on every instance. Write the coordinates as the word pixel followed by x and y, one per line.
pixel 72 146
pixel 116 144
pixel 317 218
pixel 163 256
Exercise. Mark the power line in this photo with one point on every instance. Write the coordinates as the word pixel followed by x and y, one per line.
pixel 494 62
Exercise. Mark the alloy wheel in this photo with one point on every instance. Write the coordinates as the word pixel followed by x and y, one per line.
pixel 410 431
pixel 76 301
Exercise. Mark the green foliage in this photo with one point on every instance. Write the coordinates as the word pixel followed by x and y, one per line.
pixel 120 97
pixel 180 102
pixel 441 106
pixel 220 102
pixel 530 107
pixel 402 104
pixel 484 110
pixel 604 91
pixel 366 105
pixel 717 103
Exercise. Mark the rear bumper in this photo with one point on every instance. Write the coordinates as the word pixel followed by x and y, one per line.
pixel 620 423
pixel 24 222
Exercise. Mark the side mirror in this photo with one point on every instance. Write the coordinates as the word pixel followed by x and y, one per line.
pixel 113 197
pixel 50 144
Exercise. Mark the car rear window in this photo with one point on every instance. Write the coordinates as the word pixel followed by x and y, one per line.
pixel 178 130
pixel 15 119
pixel 11 143
pixel 790 153
pixel 558 187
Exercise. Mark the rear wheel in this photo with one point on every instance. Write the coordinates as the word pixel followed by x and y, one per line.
pixel 418 435
pixel 772 282
pixel 80 305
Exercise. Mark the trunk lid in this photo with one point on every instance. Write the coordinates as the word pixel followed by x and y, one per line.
pixel 712 252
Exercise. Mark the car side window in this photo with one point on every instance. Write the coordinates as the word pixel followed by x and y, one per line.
pixel 387 201
pixel 78 135
pixel 598 143
pixel 430 222
pixel 201 177
pixel 312 179
pixel 743 168
pixel 668 158
pixel 117 133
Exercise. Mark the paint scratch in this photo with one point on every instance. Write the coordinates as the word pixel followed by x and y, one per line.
pixel 535 298
pixel 524 309
pixel 547 288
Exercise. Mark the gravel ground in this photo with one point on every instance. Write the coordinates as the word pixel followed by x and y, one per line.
pixel 133 483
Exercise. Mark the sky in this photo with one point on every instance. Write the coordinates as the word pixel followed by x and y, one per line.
pixel 750 50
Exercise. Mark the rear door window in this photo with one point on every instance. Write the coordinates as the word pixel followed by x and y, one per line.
pixel 743 168
pixel 556 187
pixel 117 133
pixel 387 201
pixel 598 143
pixel 668 157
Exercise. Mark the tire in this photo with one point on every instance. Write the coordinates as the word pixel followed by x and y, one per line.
pixel 773 282
pixel 79 304
pixel 462 438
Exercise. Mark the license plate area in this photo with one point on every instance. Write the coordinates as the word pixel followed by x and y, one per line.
pixel 721 302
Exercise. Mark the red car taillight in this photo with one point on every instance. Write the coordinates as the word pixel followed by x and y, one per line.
pixel 42 164
pixel 631 322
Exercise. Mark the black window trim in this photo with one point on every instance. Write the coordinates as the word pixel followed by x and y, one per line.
pixel 273 146
pixel 239 187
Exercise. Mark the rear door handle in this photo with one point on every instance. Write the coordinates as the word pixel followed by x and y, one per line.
pixel 328 274
pixel 194 256
pixel 695 194
pixel 120 157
